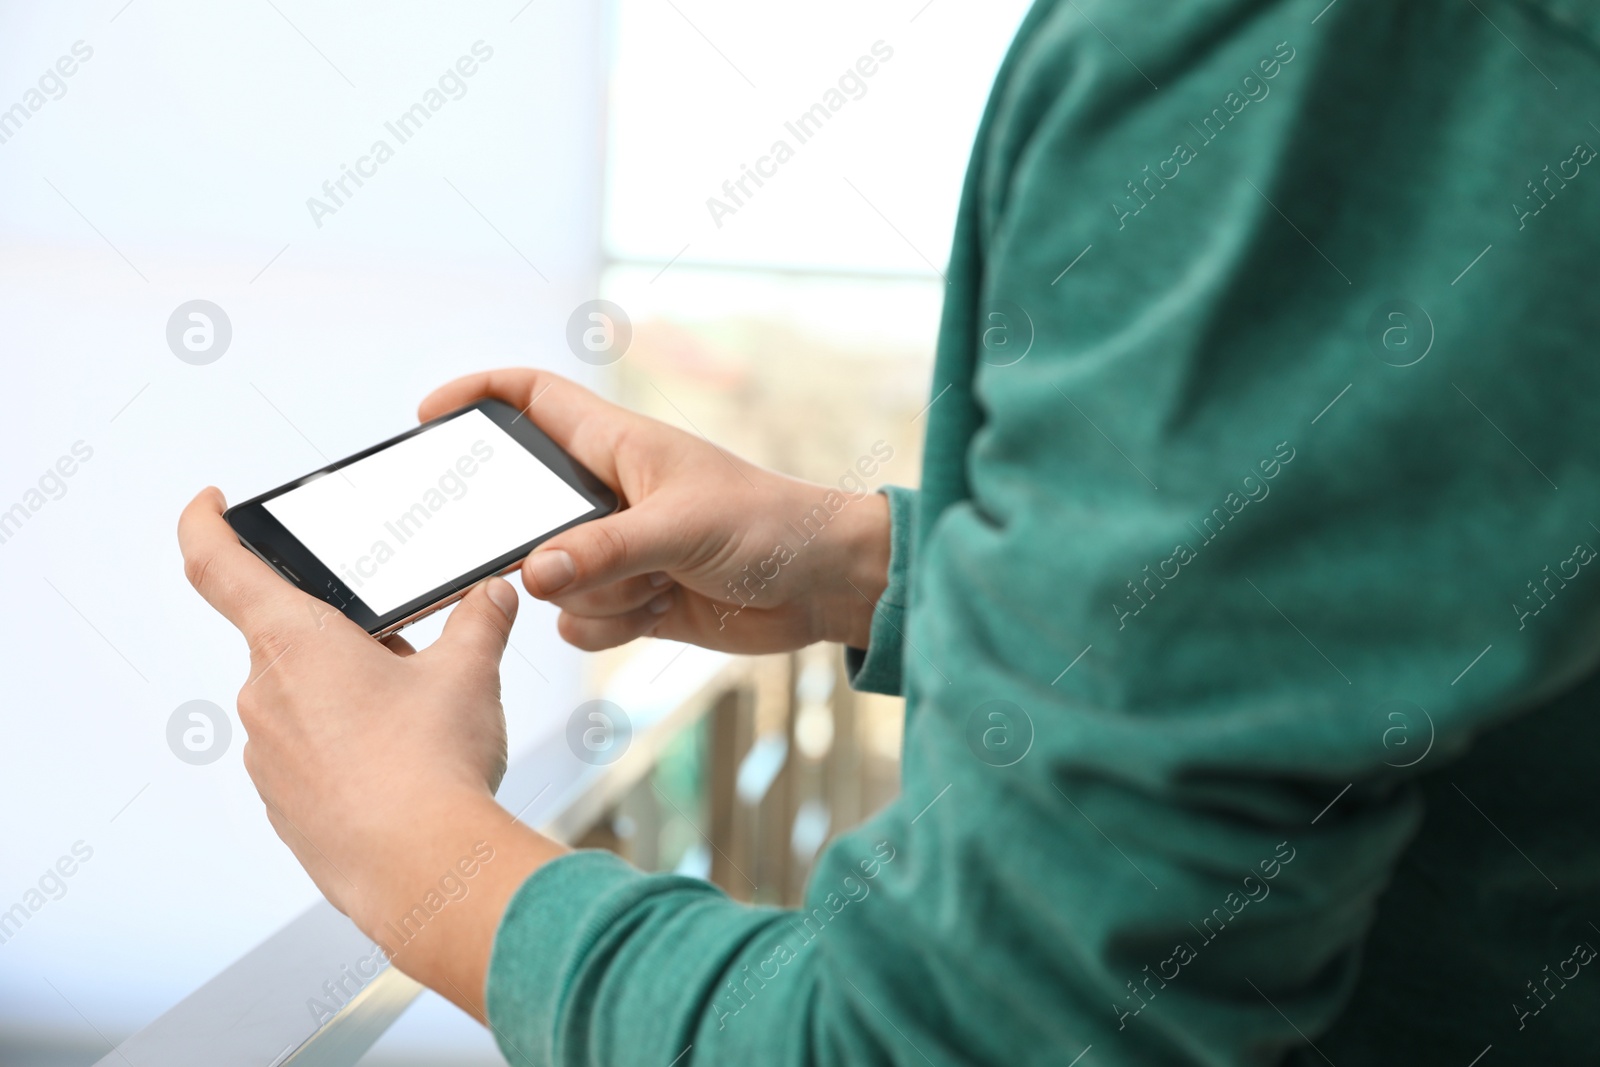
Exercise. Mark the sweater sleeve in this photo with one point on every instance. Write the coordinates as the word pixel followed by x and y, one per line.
pixel 877 668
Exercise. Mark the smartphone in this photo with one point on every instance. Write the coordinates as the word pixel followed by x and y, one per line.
pixel 404 528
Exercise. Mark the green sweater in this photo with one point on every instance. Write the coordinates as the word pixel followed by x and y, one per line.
pixel 1247 640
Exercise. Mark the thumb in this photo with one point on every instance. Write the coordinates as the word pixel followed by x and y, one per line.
pixel 627 543
pixel 480 625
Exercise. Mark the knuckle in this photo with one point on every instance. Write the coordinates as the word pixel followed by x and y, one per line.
pixel 493 618
pixel 197 568
pixel 613 544
pixel 250 708
pixel 621 437
pixel 268 644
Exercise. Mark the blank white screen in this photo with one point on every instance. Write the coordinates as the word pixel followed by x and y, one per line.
pixel 409 519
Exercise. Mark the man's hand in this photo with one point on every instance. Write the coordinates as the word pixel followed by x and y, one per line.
pixel 377 764
pixel 710 549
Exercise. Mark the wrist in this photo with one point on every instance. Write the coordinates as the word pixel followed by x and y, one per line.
pixel 856 570
pixel 433 895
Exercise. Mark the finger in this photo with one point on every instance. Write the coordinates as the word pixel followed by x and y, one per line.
pixel 576 419
pixel 399 646
pixel 622 545
pixel 229 576
pixel 480 625
pixel 726 625
pixel 592 635
pixel 619 598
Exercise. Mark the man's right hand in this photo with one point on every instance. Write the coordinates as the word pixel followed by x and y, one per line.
pixel 708 548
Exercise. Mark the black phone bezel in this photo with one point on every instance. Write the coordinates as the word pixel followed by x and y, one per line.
pixel 265 536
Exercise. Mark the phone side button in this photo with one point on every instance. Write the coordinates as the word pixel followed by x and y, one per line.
pixel 419 616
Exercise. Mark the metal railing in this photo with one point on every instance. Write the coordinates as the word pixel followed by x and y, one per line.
pixel 783 771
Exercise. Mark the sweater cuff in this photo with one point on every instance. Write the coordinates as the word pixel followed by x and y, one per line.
pixel 550 924
pixel 876 668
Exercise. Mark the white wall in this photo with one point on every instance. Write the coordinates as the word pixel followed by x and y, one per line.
pixel 190 141
pixel 703 88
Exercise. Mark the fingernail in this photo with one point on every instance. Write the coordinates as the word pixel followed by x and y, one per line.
pixel 504 597
pixel 551 571
pixel 660 604
pixel 659 579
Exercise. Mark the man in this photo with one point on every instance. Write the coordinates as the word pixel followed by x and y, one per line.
pixel 1305 404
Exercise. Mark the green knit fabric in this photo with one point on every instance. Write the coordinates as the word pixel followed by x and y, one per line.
pixel 1249 635
pixel 877 668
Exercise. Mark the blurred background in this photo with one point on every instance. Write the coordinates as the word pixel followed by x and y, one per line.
pixel 179 160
